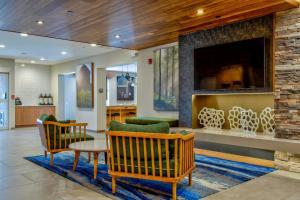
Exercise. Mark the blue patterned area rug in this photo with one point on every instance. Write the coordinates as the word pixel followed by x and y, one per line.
pixel 211 175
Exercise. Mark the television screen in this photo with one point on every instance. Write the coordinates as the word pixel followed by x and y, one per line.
pixel 233 66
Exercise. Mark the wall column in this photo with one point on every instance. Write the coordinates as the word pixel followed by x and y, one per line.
pixel 287 85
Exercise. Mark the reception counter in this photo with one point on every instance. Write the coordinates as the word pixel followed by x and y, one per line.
pixel 27 115
pixel 119 112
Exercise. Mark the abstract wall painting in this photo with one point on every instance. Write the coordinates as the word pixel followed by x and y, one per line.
pixel 125 88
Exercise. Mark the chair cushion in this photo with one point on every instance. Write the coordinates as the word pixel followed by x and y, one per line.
pixel 67 136
pixel 162 127
pixel 151 120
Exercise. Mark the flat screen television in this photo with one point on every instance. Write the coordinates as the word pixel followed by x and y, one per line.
pixel 242 65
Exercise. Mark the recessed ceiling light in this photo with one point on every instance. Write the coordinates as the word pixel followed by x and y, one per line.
pixel 93 45
pixel 70 12
pixel 117 36
pixel 32 61
pixel 63 52
pixel 22 65
pixel 2 46
pixel 42 59
pixel 40 22
pixel 200 11
pixel 24 34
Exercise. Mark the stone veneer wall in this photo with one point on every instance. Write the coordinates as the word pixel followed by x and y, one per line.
pixel 260 27
pixel 287 84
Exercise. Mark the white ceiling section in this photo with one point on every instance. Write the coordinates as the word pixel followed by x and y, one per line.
pixel 32 48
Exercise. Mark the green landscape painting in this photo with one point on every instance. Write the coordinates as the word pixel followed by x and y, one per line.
pixel 166 79
pixel 85 85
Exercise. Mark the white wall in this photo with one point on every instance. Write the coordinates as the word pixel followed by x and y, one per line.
pixel 67 97
pixel 94 117
pixel 145 85
pixel 31 81
pixel 8 65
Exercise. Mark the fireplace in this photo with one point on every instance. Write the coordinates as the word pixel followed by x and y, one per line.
pixel 233 75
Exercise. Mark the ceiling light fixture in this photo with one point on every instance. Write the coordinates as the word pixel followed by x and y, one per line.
pixel 32 61
pixel 2 46
pixel 63 52
pixel 24 34
pixel 93 45
pixel 118 36
pixel 42 59
pixel 40 22
pixel 22 65
pixel 200 11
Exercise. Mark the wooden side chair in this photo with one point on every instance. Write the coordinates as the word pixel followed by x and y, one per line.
pixel 57 135
pixel 152 156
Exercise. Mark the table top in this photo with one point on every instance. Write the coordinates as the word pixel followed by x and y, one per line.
pixel 89 146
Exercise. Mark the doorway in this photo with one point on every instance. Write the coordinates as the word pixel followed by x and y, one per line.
pixel 67 96
pixel 4 104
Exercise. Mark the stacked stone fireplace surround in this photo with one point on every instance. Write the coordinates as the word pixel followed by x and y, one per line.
pixel 287 84
pixel 285 28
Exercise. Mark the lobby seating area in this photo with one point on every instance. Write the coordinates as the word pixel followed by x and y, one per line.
pixel 180 99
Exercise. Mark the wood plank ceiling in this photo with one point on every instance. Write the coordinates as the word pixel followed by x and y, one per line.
pixel 140 23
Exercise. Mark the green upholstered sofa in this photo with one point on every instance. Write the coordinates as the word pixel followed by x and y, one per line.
pixel 150 152
pixel 151 120
pixel 57 135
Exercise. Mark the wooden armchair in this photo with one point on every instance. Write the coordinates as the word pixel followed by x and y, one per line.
pixel 152 156
pixel 56 136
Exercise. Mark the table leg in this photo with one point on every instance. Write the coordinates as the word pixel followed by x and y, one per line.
pixel 95 164
pixel 89 156
pixel 105 157
pixel 77 154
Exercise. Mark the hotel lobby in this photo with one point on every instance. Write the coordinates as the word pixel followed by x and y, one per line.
pixel 149 100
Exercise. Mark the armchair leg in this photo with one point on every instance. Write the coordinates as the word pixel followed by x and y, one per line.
pixel 113 184
pixel 89 156
pixel 51 159
pixel 174 191
pixel 45 153
pixel 190 178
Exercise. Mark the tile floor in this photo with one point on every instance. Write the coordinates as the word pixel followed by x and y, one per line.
pixel 23 180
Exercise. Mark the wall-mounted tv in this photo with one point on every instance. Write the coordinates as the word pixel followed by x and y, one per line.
pixel 242 65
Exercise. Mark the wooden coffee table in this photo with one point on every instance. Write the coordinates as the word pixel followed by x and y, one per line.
pixel 93 146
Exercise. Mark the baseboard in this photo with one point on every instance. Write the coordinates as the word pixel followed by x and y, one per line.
pixel 237 158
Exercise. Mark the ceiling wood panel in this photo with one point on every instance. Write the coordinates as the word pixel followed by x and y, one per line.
pixel 141 23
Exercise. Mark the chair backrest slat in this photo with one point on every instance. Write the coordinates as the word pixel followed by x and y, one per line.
pixel 111 154
pixel 152 157
pixel 167 157
pixel 175 157
pixel 145 156
pixel 138 155
pixel 118 153
pixel 60 137
pixel 131 155
pixel 124 154
pixel 159 157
